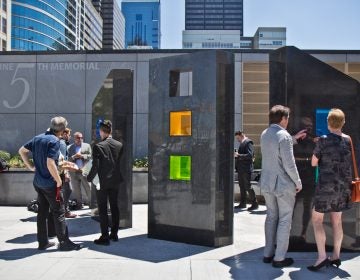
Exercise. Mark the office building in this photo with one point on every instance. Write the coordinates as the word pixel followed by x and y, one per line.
pixel 5 24
pixel 213 24
pixel 113 23
pixel 54 25
pixel 264 38
pixel 211 39
pixel 270 38
pixel 93 28
pixel 142 19
pixel 214 15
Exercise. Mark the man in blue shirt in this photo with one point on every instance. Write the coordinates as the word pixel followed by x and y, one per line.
pixel 45 149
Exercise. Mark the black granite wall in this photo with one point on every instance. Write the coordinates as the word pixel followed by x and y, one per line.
pixel 306 84
pixel 199 209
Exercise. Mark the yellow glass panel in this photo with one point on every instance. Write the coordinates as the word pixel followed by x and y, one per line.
pixel 180 123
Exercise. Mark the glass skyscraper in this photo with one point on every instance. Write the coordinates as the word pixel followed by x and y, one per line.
pixel 142 22
pixel 214 15
pixel 54 25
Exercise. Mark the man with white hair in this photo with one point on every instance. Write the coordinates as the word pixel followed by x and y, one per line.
pixel 45 149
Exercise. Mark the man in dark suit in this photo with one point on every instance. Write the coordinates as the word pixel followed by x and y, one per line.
pixel 106 163
pixel 244 167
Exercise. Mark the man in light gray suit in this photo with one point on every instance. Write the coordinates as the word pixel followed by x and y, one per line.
pixel 79 153
pixel 279 183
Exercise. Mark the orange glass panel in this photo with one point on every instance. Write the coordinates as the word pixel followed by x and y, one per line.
pixel 180 123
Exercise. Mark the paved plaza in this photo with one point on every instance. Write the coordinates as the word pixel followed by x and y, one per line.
pixel 137 257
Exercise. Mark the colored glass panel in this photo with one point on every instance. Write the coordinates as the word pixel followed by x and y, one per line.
pixel 180 168
pixel 180 123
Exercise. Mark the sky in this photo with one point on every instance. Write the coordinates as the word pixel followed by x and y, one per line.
pixel 311 24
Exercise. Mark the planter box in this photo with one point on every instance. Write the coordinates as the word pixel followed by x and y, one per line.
pixel 140 186
pixel 16 187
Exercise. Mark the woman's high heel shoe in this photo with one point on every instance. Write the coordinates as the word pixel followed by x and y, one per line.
pixel 336 262
pixel 325 262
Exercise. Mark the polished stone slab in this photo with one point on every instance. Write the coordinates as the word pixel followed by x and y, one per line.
pixel 198 207
pixel 306 84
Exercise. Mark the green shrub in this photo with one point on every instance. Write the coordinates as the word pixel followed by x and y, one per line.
pixel 141 162
pixel 257 162
pixel 5 155
pixel 16 162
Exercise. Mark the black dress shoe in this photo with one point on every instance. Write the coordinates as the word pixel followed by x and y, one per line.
pixel 325 262
pixel 102 241
pixel 240 206
pixel 285 262
pixel 114 237
pixel 268 259
pixel 253 207
pixel 48 245
pixel 69 246
pixel 336 262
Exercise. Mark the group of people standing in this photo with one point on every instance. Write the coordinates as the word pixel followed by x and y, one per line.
pixel 280 182
pixel 52 180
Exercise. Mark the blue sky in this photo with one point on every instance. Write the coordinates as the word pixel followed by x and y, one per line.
pixel 311 24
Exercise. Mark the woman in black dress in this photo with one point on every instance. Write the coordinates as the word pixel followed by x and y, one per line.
pixel 333 192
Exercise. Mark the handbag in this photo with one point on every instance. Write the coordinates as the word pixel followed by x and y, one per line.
pixel 355 184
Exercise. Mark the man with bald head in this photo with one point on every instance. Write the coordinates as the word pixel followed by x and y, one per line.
pixel 79 153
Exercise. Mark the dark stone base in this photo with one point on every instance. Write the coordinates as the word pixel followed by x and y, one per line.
pixel 183 235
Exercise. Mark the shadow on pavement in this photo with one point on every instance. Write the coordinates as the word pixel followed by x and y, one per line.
pixel 324 273
pixel 140 247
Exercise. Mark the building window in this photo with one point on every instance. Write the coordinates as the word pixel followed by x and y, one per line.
pixel 138 17
pixel 4 7
pixel 3 25
pixel 3 45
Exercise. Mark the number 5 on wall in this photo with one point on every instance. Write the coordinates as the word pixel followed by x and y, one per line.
pixel 15 79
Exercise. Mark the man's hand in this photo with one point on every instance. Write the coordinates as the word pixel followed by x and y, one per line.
pixel 298 189
pixel 236 154
pixel 77 155
pixel 301 134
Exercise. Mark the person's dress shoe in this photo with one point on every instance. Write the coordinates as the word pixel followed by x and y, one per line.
pixel 325 262
pixel 114 237
pixel 70 215
pixel 102 241
pixel 285 262
pixel 48 245
pixel 253 207
pixel 69 246
pixel 268 259
pixel 240 206
pixel 336 262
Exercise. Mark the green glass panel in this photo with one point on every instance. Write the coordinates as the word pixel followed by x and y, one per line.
pixel 180 168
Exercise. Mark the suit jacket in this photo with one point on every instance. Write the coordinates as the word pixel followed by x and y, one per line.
pixel 244 162
pixel 85 152
pixel 279 173
pixel 106 163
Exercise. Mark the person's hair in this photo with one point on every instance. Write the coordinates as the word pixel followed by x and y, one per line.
pixel 277 112
pixel 336 118
pixel 106 126
pixel 67 130
pixel 239 133
pixel 58 124
pixel 77 133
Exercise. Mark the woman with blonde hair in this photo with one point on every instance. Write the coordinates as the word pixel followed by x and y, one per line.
pixel 333 192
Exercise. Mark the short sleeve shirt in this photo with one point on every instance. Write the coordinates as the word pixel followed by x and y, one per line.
pixel 44 146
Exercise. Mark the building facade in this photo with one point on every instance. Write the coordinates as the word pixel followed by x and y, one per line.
pixel 113 33
pixel 213 24
pixel 93 28
pixel 270 38
pixel 54 25
pixel 142 19
pixel 5 25
pixel 211 39
pixel 214 15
